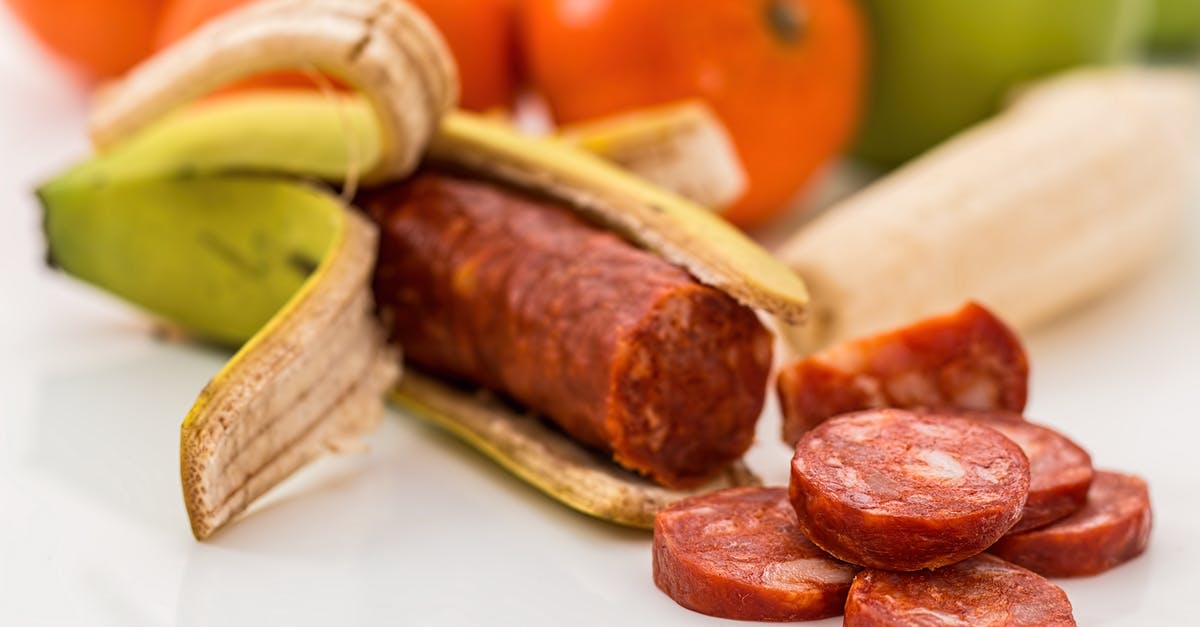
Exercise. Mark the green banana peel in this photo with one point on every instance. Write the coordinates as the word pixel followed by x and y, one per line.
pixel 217 255
pixel 331 137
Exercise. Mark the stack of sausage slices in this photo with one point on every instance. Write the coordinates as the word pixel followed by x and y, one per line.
pixel 919 494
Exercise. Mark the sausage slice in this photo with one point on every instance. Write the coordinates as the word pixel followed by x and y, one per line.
pixel 968 359
pixel 980 592
pixel 738 554
pixel 888 488
pixel 1060 471
pixel 1113 528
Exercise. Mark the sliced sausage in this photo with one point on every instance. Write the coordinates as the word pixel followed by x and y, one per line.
pixel 980 592
pixel 1060 471
pixel 888 488
pixel 1113 528
pixel 622 350
pixel 967 359
pixel 738 554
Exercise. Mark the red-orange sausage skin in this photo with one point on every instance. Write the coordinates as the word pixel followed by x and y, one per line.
pixel 738 554
pixel 622 350
pixel 1113 528
pixel 967 359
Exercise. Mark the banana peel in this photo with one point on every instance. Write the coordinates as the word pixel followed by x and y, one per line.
pixel 682 147
pixel 316 375
pixel 311 379
pixel 547 459
pixel 218 256
pixel 388 50
pixel 279 403
pixel 333 136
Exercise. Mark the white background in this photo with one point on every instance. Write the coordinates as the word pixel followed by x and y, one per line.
pixel 420 530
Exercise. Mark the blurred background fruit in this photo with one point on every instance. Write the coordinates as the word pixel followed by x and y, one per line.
pixel 481 34
pixel 1175 26
pixel 939 66
pixel 99 38
pixel 783 75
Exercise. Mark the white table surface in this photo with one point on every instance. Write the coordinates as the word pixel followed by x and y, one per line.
pixel 421 530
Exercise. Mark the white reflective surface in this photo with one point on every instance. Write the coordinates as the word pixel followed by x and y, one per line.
pixel 420 530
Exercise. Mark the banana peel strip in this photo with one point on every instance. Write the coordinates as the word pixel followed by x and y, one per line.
pixel 317 373
pixel 388 50
pixel 547 459
pixel 311 379
pixel 682 147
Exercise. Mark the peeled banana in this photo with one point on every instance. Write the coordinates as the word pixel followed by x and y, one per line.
pixel 1068 192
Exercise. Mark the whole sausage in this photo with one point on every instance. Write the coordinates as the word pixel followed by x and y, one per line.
pixel 983 591
pixel 1060 471
pixel 1113 528
pixel 622 350
pixel 738 554
pixel 892 489
pixel 967 359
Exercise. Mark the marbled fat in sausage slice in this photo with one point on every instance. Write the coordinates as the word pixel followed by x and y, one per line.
pixel 622 350
pixel 1060 471
pixel 738 554
pixel 1113 528
pixel 983 591
pixel 967 359
pixel 888 488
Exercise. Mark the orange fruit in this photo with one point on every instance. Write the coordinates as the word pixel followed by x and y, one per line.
pixel 784 76
pixel 479 32
pixel 99 38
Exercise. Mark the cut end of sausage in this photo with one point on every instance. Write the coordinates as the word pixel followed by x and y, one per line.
pixel 967 359
pixel 738 554
pixel 983 591
pixel 689 383
pixel 896 490
pixel 1113 528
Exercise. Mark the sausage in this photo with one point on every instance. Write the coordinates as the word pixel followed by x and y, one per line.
pixel 967 359
pixel 1113 528
pixel 738 554
pixel 888 488
pixel 980 592
pixel 625 352
pixel 1060 471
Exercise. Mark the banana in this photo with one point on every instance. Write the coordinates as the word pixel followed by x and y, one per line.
pixel 388 50
pixel 311 379
pixel 315 373
pixel 1070 191
pixel 218 257
pixel 547 459
pixel 682 147
pixel 328 137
